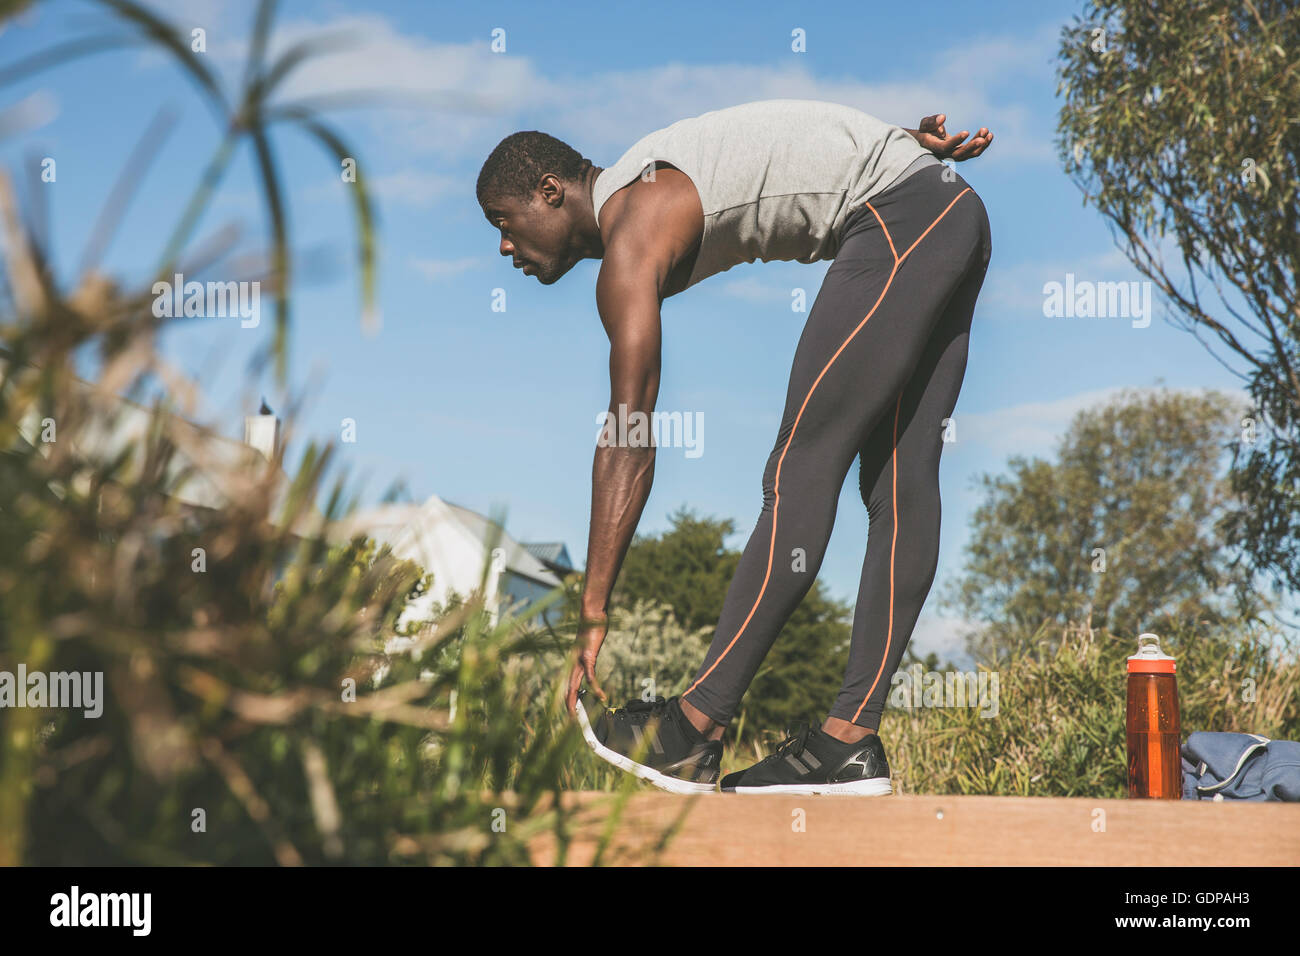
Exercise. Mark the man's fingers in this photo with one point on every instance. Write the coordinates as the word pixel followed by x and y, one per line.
pixel 960 146
pixel 932 125
pixel 595 687
pixel 973 148
pixel 950 143
pixel 575 681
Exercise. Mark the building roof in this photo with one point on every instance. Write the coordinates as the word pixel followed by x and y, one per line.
pixel 447 540
pixel 553 554
pixel 519 559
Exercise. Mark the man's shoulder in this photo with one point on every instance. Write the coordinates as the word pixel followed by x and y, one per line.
pixel 655 229
pixel 662 196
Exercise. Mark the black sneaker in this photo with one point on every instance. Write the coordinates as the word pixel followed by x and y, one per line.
pixel 810 761
pixel 669 751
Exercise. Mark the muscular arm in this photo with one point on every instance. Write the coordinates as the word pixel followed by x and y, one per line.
pixel 656 229
pixel 651 231
pixel 627 294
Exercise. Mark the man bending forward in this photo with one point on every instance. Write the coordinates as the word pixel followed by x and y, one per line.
pixel 877 370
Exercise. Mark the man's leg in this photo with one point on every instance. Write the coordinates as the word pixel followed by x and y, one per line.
pixel 900 262
pixel 899 482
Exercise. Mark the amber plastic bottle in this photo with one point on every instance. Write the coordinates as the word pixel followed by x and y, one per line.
pixel 1154 759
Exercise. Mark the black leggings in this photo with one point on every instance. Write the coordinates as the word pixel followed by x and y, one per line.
pixel 876 374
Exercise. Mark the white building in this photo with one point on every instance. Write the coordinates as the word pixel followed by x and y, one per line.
pixel 452 543
pixel 463 550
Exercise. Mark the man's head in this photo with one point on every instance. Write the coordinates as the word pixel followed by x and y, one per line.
pixel 533 189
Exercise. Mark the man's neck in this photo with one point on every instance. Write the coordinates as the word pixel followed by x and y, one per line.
pixel 593 245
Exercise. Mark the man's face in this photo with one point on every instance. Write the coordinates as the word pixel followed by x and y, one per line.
pixel 534 234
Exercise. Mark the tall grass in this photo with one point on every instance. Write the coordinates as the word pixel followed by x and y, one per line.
pixel 1059 725
pixel 255 709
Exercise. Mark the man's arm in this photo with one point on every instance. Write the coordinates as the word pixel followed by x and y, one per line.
pixel 627 296
pixel 653 229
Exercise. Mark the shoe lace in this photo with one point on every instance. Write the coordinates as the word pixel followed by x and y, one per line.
pixel 641 709
pixel 796 739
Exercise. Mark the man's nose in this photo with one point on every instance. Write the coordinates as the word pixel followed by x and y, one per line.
pixel 507 248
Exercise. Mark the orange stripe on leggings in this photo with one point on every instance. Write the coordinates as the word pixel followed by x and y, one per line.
pixel 776 505
pixel 893 548
pixel 889 633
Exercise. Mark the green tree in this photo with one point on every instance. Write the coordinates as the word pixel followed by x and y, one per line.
pixel 1179 124
pixel 687 568
pixel 1120 528
pixel 648 650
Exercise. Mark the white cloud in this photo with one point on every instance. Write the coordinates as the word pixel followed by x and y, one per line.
pixel 477 96
pixel 471 97
pixel 436 269
pixel 412 187
pixel 944 636
pixel 1017 291
pixel 447 96
pixel 405 188
pixel 999 58
pixel 1031 428
pixel 1034 428
pixel 597 110
pixel 664 94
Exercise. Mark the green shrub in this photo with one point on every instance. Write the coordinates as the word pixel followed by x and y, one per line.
pixel 1059 726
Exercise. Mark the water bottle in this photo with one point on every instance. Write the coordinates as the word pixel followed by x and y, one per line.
pixel 1154 765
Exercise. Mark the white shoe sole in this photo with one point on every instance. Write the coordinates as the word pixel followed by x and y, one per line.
pixel 660 780
pixel 874 787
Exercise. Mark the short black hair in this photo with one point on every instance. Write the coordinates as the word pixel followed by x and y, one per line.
pixel 519 162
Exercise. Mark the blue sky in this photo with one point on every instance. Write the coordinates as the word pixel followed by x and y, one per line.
pixel 497 409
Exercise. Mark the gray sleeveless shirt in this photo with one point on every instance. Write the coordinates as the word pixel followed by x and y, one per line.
pixel 776 178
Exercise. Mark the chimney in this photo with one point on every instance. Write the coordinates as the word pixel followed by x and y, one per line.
pixel 262 431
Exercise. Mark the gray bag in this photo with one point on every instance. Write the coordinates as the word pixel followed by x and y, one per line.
pixel 1220 766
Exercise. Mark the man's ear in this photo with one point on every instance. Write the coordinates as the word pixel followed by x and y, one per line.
pixel 551 189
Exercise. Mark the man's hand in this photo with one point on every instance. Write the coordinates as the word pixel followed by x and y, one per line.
pixel 932 136
pixel 591 634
